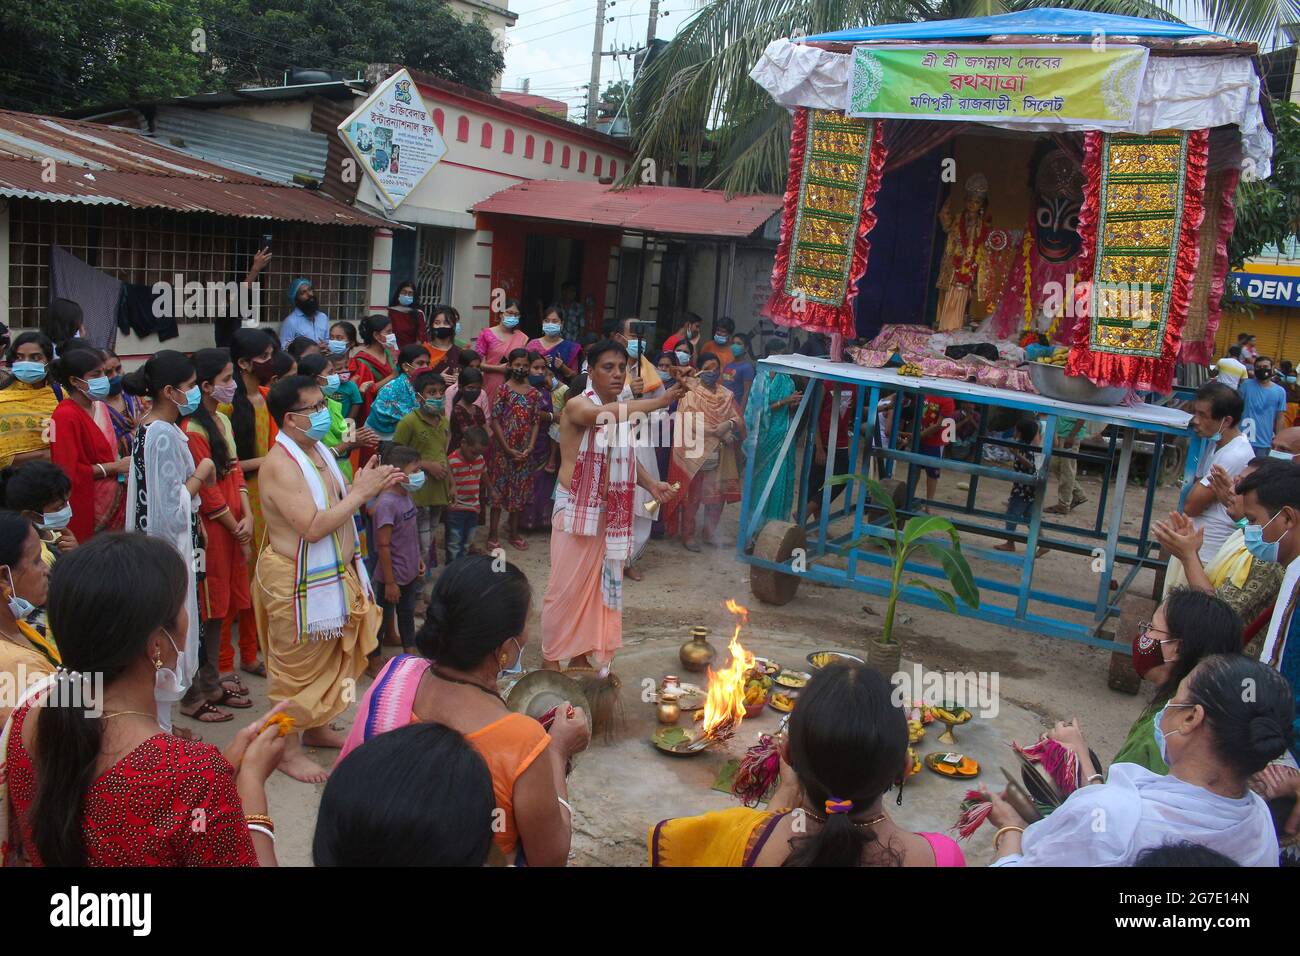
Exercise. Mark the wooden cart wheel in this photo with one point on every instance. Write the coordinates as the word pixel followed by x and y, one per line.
pixel 776 542
pixel 1135 609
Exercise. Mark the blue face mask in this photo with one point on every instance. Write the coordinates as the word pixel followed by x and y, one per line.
pixel 192 399
pixel 551 328
pixel 414 481
pixel 435 405
pixel 1162 739
pixel 331 384
pixel 20 608
pixel 54 521
pixel 337 346
pixel 318 424
pixel 1257 546
pixel 720 339
pixel 97 389
pixel 683 358
pixel 665 376
pixel 29 372
pixel 1283 455
pixel 405 299
pixel 710 377
pixel 737 350
pixel 510 321
pixel 634 348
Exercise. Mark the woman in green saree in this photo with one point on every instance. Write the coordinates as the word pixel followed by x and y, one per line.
pixel 767 420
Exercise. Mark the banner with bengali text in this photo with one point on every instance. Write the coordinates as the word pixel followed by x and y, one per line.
pixel 1056 84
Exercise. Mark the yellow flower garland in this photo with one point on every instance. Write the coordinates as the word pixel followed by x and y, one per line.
pixel 1029 278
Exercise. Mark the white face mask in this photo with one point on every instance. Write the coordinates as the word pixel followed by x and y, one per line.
pixel 170 683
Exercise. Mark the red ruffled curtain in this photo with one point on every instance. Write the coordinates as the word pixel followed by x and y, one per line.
pixel 803 313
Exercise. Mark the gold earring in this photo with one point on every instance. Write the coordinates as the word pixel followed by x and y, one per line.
pixel 504 659
pixel 157 661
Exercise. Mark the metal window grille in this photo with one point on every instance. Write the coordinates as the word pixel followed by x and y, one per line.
pixel 433 268
pixel 145 246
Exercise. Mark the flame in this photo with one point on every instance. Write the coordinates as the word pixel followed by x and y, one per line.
pixel 724 707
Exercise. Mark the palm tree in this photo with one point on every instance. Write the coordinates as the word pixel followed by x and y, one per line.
pixel 695 103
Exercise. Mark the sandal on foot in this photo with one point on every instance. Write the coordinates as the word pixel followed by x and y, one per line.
pixel 490 546
pixel 231 699
pixel 518 543
pixel 257 670
pixel 233 684
pixel 208 714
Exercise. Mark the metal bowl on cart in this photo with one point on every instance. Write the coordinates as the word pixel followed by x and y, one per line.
pixel 1052 382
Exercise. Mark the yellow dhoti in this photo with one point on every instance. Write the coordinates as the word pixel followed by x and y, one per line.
pixel 318 675
pixel 952 307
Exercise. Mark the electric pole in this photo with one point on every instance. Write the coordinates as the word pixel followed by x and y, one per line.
pixel 593 91
pixel 654 19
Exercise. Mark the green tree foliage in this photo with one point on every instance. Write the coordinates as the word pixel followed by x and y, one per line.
pixel 1268 211
pixel 65 56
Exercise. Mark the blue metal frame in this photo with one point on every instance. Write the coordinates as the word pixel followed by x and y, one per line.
pixel 1019 605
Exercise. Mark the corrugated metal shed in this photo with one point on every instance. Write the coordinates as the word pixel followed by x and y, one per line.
pixel 667 210
pixel 261 149
pixel 61 160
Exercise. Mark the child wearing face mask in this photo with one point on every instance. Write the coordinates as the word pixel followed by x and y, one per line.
pixel 396 399
pixel 537 515
pixel 427 430
pixel 465 401
pixel 394 517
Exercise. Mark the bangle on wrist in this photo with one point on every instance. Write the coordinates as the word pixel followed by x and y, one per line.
pixel 997 837
pixel 259 828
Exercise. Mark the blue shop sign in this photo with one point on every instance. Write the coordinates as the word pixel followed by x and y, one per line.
pixel 1266 289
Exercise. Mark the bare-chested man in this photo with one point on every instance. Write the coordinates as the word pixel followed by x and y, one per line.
pixel 591 528
pixel 310 594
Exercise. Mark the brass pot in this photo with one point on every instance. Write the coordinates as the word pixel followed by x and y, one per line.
pixel 668 710
pixel 697 653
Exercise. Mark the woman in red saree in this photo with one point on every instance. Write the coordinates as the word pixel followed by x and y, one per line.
pixel 79 446
pixel 117 790
pixel 708 413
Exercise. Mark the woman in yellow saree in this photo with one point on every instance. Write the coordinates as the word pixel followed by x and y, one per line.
pixel 27 401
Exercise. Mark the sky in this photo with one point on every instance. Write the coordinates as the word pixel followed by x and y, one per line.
pixel 551 41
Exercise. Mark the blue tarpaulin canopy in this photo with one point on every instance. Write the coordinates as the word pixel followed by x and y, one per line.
pixel 1048 21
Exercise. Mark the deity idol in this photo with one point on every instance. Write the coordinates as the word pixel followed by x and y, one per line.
pixel 967 233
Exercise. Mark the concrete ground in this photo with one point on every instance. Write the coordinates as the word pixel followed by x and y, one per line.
pixel 621 788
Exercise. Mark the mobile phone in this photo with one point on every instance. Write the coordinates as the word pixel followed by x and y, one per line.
pixel 266 240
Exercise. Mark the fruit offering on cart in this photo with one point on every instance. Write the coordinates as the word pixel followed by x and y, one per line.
pixel 757 687
pixel 793 679
pixel 915 731
pixel 783 700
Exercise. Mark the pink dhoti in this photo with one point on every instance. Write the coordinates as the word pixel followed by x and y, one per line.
pixel 575 619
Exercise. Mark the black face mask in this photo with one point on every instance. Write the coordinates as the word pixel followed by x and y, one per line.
pixel 469 396
pixel 1263 374
pixel 519 374
pixel 308 305
pixel 442 332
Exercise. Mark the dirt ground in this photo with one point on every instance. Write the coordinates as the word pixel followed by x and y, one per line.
pixel 621 788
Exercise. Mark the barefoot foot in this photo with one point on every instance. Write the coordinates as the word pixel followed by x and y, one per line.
pixel 325 736
pixel 301 767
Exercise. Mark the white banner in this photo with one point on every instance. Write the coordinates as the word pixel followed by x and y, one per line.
pixel 393 136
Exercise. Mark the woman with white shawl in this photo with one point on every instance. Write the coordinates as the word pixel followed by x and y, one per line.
pixel 1228 719
pixel 161 489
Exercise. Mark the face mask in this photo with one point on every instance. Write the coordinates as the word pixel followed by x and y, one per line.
pixel 1162 739
pixel 518 664
pixel 1263 374
pixel 1257 546
pixel 390 340
pixel 695 334
pixel 1290 379
pixel 519 374
pixel 20 608
pixel 665 377
pixel 510 321
pixel 458 328
pixel 442 331
pixel 54 521
pixel 115 385
pixel 405 299
pixel 536 381
pixel 97 388
pixel 193 396
pixel 168 682
pixel 551 328
pixel 224 394
pixel 633 348
pixel 263 370
pixel 331 384
pixel 683 358
pixel 29 372
pixel 1146 653
pixel 434 405
pixel 737 350
pixel 720 339
pixel 318 424
pixel 1283 455
pixel 414 481
pixel 469 395
pixel 337 346
pixel 710 377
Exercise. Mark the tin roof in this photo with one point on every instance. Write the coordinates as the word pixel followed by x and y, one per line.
pixel 63 160
pixel 669 210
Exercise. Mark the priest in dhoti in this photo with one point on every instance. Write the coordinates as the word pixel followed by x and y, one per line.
pixel 592 527
pixel 311 594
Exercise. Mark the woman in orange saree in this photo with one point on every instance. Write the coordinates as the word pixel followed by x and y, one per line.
pixel 707 432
